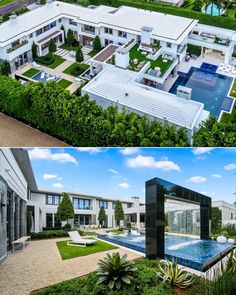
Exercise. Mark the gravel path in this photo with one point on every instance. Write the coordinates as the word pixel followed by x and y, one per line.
pixel 40 265
pixel 14 133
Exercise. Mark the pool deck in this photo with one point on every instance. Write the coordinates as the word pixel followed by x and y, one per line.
pixel 40 265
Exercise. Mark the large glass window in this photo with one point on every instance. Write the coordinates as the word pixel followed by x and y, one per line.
pixel 103 204
pixel 81 203
pixel 53 200
pixel 108 31
pixel 49 220
pixel 73 23
pixel 57 222
pixel 122 34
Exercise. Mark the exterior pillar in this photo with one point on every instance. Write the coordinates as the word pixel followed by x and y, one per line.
pixel 40 53
pixel 17 214
pixel 138 219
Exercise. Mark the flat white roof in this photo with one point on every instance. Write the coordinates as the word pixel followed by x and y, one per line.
pixel 114 85
pixel 165 27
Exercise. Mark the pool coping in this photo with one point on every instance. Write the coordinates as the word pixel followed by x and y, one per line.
pixel 185 262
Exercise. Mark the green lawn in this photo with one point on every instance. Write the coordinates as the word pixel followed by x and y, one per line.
pixel 64 83
pixel 76 69
pixel 58 60
pixel 68 252
pixel 231 117
pixel 31 72
pixel 92 53
pixel 68 47
pixel 4 2
pixel 135 53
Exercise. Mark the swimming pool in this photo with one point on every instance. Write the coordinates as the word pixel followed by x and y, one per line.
pixel 211 89
pixel 191 252
pixel 213 9
pixel 45 77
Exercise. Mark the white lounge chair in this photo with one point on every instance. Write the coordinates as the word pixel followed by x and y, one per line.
pixel 77 240
pixel 134 232
pixel 34 64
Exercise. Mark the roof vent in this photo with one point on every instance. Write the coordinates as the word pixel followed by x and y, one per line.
pixel 126 94
pixel 13 18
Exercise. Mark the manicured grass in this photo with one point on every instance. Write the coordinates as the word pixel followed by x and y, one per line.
pixel 4 2
pixel 30 73
pixel 76 69
pixel 68 47
pixel 135 53
pixel 231 117
pixel 58 60
pixel 233 89
pixel 68 252
pixel 64 83
pixel 92 53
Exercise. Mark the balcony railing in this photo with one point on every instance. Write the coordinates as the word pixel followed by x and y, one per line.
pixel 13 48
pixel 88 31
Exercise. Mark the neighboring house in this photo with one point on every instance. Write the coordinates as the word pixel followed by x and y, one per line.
pixel 228 212
pixel 16 182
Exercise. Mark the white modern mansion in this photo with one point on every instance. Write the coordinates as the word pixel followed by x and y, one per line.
pixel 20 199
pixel 115 79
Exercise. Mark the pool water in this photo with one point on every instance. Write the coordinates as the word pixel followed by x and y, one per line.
pixel 211 89
pixel 45 77
pixel 213 9
pixel 191 252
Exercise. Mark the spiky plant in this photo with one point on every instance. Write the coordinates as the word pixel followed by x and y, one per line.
pixel 170 272
pixel 231 264
pixel 115 271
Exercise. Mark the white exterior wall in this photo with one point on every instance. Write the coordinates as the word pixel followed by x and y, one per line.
pixel 227 210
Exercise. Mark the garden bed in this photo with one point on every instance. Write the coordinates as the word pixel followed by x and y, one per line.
pixel 63 83
pixel 49 60
pixel 30 73
pixel 76 69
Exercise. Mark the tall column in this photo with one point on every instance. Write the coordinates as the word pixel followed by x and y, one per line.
pixel 155 241
pixel 12 222
pixel 23 217
pixel 17 215
pixel 138 219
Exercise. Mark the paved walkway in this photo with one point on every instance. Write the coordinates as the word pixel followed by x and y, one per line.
pixel 40 265
pixel 13 133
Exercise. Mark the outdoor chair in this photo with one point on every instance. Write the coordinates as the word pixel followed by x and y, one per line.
pixel 77 240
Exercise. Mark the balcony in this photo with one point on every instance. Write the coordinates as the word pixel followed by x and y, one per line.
pixel 15 47
pixel 88 31
pixel 210 38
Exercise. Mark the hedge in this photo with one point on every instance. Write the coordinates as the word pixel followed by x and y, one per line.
pixel 216 21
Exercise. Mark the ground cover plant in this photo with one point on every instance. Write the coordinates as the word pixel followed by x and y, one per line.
pixel 68 252
pixel 76 69
pixel 50 60
pixel 63 83
pixel 30 73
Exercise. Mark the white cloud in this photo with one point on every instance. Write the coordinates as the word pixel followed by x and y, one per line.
pixel 59 178
pixel 49 176
pixel 113 171
pixel 47 154
pixel 216 175
pixel 124 185
pixel 150 162
pixel 197 179
pixel 204 193
pixel 90 150
pixel 230 167
pixel 202 150
pixel 129 151
pixel 58 185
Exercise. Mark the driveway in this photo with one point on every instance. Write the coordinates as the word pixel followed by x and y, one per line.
pixel 40 265
pixel 14 133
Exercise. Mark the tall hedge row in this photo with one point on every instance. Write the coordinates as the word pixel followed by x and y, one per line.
pixel 80 121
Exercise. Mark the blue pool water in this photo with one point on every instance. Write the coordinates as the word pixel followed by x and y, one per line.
pixel 45 78
pixel 211 89
pixel 191 252
pixel 215 9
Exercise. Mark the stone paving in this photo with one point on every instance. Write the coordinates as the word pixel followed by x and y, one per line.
pixel 14 133
pixel 40 265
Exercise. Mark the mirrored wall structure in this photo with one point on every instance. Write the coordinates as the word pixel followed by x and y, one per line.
pixel 185 208
pixel 182 218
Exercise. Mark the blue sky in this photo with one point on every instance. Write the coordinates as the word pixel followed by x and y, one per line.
pixel 121 173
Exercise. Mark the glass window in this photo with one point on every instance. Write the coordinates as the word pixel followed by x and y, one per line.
pixel 60 20
pixel 108 31
pixel 81 203
pixel 76 203
pixel 113 205
pixel 56 200
pixel 73 23
pixel 168 45
pixel 103 204
pixel 122 34
pixel 49 220
pixel 129 205
pixel 49 200
pixel 57 222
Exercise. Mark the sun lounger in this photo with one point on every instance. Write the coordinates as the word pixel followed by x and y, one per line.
pixel 34 64
pixel 77 240
pixel 134 232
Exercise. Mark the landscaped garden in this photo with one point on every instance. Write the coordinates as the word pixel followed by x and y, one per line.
pixel 116 275
pixel 63 83
pixel 68 251
pixel 160 62
pixel 50 60
pixel 76 69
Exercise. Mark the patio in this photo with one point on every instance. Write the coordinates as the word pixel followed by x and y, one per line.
pixel 40 265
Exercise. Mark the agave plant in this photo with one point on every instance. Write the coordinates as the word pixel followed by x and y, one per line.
pixel 115 271
pixel 170 272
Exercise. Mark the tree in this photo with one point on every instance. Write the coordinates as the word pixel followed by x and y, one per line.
pixel 214 133
pixel 84 3
pixel 64 33
pixel 34 50
pixel 79 57
pixel 70 37
pixel 102 216
pixel 97 44
pixel 216 218
pixel 52 47
pixel 65 209
pixel 119 212
pixel 5 68
pixel 197 5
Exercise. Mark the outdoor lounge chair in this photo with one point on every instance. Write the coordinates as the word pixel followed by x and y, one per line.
pixel 77 240
pixel 134 232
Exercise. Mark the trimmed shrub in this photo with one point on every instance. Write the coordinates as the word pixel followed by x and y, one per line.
pixel 48 234
pixel 97 44
pixel 194 49
pixel 47 59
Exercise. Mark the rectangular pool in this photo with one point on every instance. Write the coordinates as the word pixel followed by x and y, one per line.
pixel 191 252
pixel 211 89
